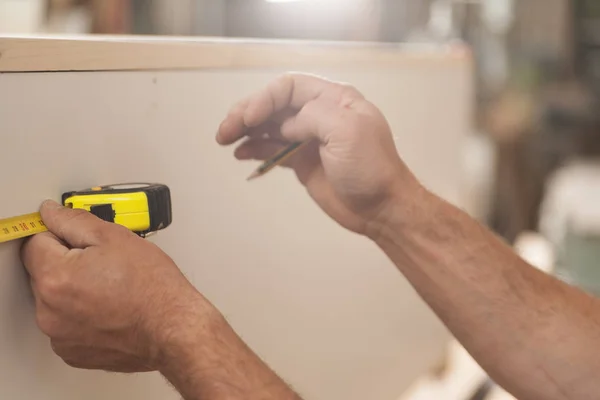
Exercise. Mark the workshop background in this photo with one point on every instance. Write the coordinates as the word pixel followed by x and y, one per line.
pixel 532 167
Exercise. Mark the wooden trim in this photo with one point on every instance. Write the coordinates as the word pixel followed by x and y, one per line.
pixel 92 53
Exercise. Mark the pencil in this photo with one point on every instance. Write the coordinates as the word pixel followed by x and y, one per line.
pixel 277 159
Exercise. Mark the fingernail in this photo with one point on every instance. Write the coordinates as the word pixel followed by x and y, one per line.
pixel 51 204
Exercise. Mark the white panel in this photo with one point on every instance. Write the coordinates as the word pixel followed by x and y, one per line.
pixel 324 307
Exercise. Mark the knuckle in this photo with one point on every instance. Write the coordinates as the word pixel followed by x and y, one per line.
pixel 286 78
pixel 345 94
pixel 116 232
pixel 47 324
pixel 30 247
pixel 97 235
pixel 56 347
pixel 121 230
pixel 349 90
pixel 71 362
pixel 60 348
pixel 280 90
pixel 52 286
pixel 33 241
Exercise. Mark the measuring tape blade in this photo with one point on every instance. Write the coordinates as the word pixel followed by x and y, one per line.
pixel 20 227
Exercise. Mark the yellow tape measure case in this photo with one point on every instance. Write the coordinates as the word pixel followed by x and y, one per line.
pixel 141 207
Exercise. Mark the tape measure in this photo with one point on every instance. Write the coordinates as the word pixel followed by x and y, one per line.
pixel 143 208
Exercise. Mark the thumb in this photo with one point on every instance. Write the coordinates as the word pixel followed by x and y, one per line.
pixel 79 228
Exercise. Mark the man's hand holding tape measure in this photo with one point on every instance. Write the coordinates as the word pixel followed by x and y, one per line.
pixel 96 291
pixel 110 300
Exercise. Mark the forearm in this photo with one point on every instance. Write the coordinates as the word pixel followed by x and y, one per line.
pixel 535 335
pixel 208 360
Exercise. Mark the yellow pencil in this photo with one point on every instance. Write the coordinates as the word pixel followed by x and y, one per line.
pixel 277 159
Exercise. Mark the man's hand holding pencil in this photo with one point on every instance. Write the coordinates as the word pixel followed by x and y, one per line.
pixel 338 143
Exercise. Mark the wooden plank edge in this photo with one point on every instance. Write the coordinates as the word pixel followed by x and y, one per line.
pixel 34 54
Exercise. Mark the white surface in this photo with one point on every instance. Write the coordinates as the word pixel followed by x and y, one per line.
pixel 459 382
pixel 571 201
pixel 324 307
pixel 21 16
pixel 536 250
pixel 479 160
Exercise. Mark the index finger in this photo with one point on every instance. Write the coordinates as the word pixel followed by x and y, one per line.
pixel 287 91
pixel 41 251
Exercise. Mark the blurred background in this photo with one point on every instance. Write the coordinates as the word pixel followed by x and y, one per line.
pixel 531 165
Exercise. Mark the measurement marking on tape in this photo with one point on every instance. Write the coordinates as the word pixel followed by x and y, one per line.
pixel 21 226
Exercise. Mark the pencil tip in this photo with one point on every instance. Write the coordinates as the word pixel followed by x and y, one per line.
pixel 254 175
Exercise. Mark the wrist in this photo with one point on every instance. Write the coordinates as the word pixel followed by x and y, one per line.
pixel 187 329
pixel 404 210
pixel 203 357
